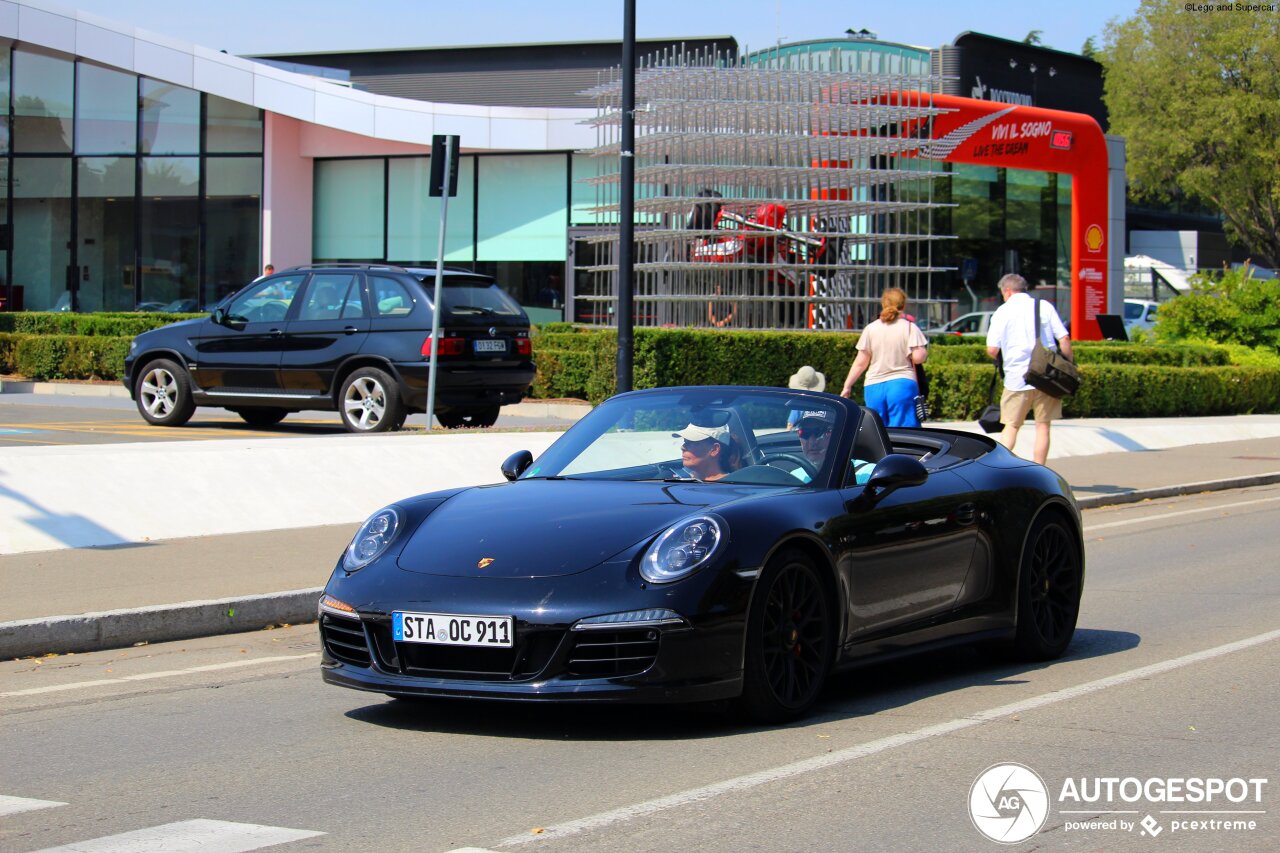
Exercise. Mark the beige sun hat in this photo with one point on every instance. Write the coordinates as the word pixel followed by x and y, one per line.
pixel 807 379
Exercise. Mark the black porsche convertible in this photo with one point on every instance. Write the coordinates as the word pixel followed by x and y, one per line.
pixel 690 544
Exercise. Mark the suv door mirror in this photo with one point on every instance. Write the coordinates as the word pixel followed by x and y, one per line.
pixel 516 464
pixel 219 316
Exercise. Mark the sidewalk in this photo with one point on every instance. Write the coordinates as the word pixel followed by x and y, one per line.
pixel 150 569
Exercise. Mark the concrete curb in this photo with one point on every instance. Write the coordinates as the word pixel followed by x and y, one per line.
pixel 113 629
pixel 1137 495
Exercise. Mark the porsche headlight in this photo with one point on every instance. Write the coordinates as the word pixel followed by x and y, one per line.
pixel 373 538
pixel 682 548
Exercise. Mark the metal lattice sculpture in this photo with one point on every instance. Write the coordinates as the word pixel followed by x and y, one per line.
pixel 766 197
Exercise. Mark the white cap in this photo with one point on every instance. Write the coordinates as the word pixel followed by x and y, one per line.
pixel 693 432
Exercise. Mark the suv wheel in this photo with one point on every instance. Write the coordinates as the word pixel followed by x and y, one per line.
pixel 484 416
pixel 163 394
pixel 369 402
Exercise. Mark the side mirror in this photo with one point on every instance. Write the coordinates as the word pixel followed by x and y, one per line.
pixel 891 473
pixel 219 316
pixel 516 464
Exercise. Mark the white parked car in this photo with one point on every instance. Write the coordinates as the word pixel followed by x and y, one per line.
pixel 974 323
pixel 1139 314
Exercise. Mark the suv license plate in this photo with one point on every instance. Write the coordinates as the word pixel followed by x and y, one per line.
pixel 452 629
pixel 491 346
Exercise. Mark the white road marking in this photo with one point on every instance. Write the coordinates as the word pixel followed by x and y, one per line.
pixel 1089 528
pixel 831 759
pixel 189 836
pixel 13 805
pixel 148 676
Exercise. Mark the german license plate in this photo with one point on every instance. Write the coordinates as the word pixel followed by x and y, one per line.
pixel 491 345
pixel 452 629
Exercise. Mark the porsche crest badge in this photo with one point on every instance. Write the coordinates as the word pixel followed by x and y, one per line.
pixel 484 562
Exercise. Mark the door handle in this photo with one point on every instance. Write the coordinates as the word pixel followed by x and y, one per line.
pixel 275 333
pixel 350 330
pixel 966 513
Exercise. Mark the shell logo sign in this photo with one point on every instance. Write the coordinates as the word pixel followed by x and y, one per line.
pixel 1093 238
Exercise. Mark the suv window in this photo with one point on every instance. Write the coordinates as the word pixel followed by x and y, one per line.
pixel 332 296
pixel 472 296
pixel 390 298
pixel 266 301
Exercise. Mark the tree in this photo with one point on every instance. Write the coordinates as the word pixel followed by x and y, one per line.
pixel 1198 98
pixel 1089 50
pixel 1033 37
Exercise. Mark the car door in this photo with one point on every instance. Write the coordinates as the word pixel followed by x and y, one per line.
pixel 238 349
pixel 906 558
pixel 330 326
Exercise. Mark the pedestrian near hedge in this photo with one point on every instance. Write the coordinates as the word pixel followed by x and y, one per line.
pixel 804 379
pixel 888 351
pixel 1012 336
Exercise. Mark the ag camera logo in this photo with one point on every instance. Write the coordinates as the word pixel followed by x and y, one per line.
pixel 1008 803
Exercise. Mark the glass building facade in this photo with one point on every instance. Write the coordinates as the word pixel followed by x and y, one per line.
pixel 119 191
pixel 510 219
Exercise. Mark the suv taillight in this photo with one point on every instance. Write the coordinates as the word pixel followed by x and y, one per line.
pixel 448 346
pixel 524 346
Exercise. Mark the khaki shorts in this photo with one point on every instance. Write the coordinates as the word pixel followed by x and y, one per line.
pixel 1014 406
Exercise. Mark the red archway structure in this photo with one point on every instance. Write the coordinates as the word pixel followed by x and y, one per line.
pixel 989 133
pixel 1012 136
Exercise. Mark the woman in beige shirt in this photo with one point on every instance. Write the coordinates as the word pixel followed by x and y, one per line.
pixel 888 352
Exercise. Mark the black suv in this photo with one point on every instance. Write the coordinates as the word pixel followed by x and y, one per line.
pixel 350 337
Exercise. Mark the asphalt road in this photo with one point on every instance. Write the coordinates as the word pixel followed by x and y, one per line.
pixel 47 419
pixel 1172 674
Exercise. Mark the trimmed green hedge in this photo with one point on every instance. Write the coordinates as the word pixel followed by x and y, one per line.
pixel 43 357
pixel 1119 380
pixel 69 323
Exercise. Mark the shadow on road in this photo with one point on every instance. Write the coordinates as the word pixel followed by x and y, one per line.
pixel 857 693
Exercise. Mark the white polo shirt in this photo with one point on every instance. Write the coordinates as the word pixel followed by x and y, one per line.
pixel 1012 330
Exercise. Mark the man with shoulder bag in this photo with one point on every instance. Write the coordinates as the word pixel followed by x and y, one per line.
pixel 1017 328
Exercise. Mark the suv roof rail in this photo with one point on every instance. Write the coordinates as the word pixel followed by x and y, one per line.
pixel 350 266
pixel 432 269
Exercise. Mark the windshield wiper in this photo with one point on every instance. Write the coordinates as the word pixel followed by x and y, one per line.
pixel 475 309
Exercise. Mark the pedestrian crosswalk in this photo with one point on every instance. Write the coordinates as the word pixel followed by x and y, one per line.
pixel 187 836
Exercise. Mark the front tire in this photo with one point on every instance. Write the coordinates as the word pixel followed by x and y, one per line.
pixel 481 416
pixel 370 402
pixel 163 394
pixel 1049 587
pixel 790 640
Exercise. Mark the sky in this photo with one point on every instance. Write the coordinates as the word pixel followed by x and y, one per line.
pixel 298 26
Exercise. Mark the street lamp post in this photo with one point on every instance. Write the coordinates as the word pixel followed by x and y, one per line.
pixel 626 212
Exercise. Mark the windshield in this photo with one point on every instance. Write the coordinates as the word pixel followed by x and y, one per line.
pixel 1133 310
pixel 712 435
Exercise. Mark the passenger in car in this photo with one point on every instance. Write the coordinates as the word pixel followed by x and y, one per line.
pixel 814 430
pixel 708 452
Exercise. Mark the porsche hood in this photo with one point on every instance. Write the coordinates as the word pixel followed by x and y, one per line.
pixel 550 528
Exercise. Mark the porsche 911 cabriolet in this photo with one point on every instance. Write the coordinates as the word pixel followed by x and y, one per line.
pixel 708 543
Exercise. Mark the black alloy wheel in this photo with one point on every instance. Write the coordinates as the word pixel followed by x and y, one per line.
pixel 789 640
pixel 480 416
pixel 1049 587
pixel 262 417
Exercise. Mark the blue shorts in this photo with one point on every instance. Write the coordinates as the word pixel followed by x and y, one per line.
pixel 894 401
